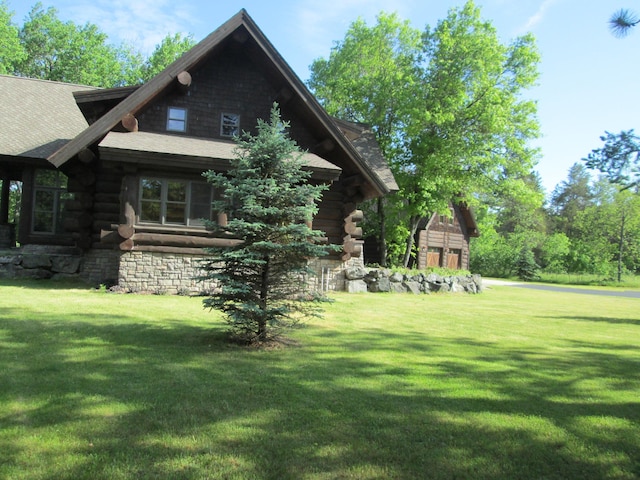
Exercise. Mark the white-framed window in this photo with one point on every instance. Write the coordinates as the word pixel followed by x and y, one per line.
pixel 177 119
pixel 230 125
pixel 175 202
pixel 49 197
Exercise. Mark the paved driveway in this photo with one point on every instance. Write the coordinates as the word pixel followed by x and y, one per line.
pixel 554 288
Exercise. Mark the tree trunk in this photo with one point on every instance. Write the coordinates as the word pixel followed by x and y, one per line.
pixel 264 293
pixel 383 233
pixel 621 246
pixel 413 228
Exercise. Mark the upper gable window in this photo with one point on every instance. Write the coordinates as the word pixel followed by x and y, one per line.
pixel 230 125
pixel 177 119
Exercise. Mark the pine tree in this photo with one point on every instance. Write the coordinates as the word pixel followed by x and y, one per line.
pixel 262 281
pixel 526 267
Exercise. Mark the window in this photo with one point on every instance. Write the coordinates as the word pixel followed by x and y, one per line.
pixel 230 125
pixel 175 202
pixel 177 119
pixel 49 197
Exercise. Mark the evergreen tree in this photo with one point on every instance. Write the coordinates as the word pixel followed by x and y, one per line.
pixel 526 267
pixel 262 280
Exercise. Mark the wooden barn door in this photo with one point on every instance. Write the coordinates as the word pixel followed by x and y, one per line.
pixel 453 259
pixel 434 256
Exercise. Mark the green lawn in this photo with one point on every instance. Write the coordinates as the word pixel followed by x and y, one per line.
pixel 510 384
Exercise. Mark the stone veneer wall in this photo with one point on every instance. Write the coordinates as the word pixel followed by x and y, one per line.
pixel 100 267
pixel 154 272
pixel 329 273
pixel 160 273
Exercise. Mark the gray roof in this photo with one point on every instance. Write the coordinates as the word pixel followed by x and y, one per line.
pixel 364 140
pixel 192 147
pixel 37 117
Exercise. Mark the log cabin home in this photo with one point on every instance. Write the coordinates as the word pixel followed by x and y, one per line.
pixel 443 240
pixel 111 179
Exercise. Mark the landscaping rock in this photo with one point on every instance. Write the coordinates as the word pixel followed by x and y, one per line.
pixel 356 286
pixel 413 287
pixel 379 285
pixel 397 287
pixel 65 264
pixel 355 273
pixel 396 277
pixel 383 280
pixel 10 259
pixel 36 261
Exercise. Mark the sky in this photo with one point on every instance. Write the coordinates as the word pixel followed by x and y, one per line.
pixel 588 78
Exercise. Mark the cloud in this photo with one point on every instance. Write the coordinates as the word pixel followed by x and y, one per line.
pixel 143 23
pixel 318 25
pixel 537 17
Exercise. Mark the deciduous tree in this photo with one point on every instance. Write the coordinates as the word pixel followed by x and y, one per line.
pixel 458 128
pixel 170 48
pixel 11 51
pixel 48 48
pixel 371 77
pixel 66 52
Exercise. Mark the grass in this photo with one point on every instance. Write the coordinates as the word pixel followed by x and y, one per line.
pixel 627 281
pixel 510 384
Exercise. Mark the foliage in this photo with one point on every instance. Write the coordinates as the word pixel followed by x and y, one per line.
pixel 570 197
pixel 267 195
pixel 371 77
pixel 491 254
pixel 554 252
pixel 66 52
pixel 618 159
pixel 516 213
pixel 446 109
pixel 11 51
pixel 170 49
pixel 48 48
pixel 526 268
pixel 622 21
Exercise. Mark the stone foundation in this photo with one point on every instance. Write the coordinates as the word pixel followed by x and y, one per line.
pixel 164 273
pixel 100 267
pixel 160 273
pixel 40 262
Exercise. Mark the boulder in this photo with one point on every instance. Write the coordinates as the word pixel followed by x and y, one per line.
pixel 380 285
pixel 65 264
pixel 36 261
pixel 414 287
pixel 397 287
pixel 355 286
pixel 396 277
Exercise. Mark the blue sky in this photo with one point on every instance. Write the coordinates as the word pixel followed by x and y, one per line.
pixel 588 82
